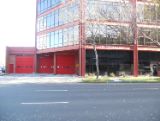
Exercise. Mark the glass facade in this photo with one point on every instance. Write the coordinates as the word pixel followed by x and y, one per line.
pixel 108 10
pixel 152 36
pixel 109 62
pixel 120 11
pixel 107 34
pixel 58 17
pixel 53 35
pixel 63 37
pixel 44 5
pixel 59 36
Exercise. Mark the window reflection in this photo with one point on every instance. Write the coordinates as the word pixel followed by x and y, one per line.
pixel 59 38
pixel 121 10
pixel 107 34
pixel 61 16
pixel 44 5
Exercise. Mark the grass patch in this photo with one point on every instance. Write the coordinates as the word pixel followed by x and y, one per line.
pixel 127 79
pixel 147 79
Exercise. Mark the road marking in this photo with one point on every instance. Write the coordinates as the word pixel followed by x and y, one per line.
pixel 146 88
pixel 42 103
pixel 51 90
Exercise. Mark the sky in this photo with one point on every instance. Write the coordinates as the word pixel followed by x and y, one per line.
pixel 17 24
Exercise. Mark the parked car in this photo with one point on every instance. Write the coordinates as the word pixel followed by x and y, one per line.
pixel 2 70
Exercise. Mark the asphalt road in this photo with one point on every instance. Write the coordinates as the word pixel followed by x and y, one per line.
pixel 80 102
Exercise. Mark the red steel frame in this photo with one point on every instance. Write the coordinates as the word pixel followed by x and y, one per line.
pixel 36 66
pixel 82 48
pixel 135 37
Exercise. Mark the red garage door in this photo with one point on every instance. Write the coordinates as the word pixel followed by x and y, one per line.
pixel 65 64
pixel 11 68
pixel 45 64
pixel 24 64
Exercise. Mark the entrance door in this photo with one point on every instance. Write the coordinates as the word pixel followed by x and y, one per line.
pixel 24 64
pixel 65 64
pixel 11 68
pixel 45 64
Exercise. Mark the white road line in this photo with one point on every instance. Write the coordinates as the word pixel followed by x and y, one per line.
pixel 42 103
pixel 146 88
pixel 51 90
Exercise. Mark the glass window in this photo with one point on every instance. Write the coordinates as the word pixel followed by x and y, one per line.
pixel 44 22
pixel 53 3
pixel 52 19
pixel 39 7
pixel 60 37
pixel 56 18
pixel 44 44
pixel 40 42
pixel 76 34
pixel 61 16
pixel 140 12
pixel 75 11
pixel 41 23
pixel 70 36
pixel 65 37
pixel 48 20
pixel 38 24
pixel 42 6
pixel 37 42
pixel 45 5
pixel 107 10
pixel 52 39
pixel 48 40
pixel 56 39
pixel 49 4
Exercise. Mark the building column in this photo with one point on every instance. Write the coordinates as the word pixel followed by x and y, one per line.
pixel 82 51
pixel 82 61
pixel 135 60
pixel 35 63
pixel 135 37
pixel 7 62
pixel 54 63
pixel 82 38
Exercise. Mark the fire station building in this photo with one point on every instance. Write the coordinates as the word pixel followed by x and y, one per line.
pixel 67 29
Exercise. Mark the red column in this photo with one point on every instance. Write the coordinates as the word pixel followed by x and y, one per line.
pixel 82 61
pixel 54 63
pixel 135 55
pixel 135 37
pixel 82 50
pixel 7 63
pixel 36 56
pixel 35 63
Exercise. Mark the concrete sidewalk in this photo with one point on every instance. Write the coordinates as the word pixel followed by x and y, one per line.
pixel 38 78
